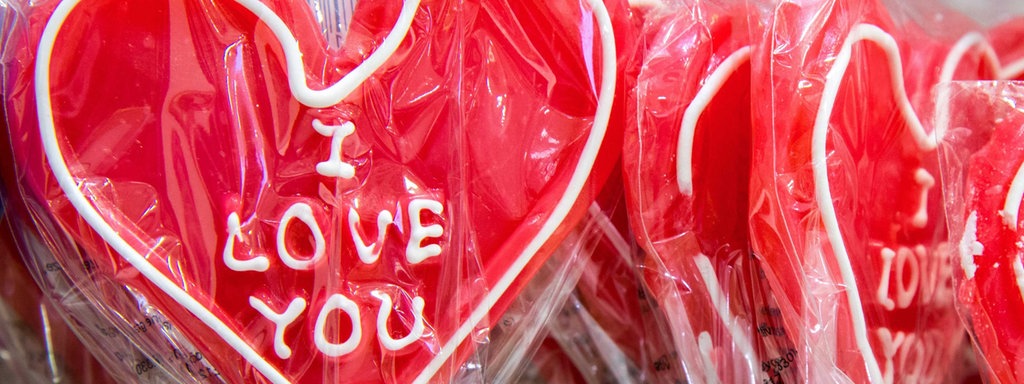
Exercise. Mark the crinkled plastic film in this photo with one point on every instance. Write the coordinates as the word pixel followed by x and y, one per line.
pixel 242 202
pixel 981 158
pixel 522 331
pixel 36 346
pixel 551 364
pixel 54 334
pixel 610 327
pixel 115 334
pixel 846 194
pixel 596 318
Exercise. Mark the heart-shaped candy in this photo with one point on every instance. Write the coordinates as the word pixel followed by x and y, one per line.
pixel 846 204
pixel 314 215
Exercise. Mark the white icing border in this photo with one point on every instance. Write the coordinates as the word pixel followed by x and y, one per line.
pixel 1018 274
pixel 1013 198
pixel 684 177
pixel 578 180
pixel 970 246
pixel 714 83
pixel 337 92
pixel 62 174
pixel 317 98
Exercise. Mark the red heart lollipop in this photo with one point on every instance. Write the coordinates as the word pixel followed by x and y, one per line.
pixel 308 215
pixel 846 205
pixel 687 167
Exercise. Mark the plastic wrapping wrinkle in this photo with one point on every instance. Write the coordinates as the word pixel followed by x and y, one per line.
pixel 36 345
pixel 611 328
pixel 208 154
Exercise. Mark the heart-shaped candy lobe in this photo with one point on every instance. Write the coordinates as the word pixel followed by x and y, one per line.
pixel 845 206
pixel 985 218
pixel 687 166
pixel 1006 44
pixel 306 215
pixel 30 327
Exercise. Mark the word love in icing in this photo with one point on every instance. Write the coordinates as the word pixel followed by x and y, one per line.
pixel 915 274
pixel 416 251
pixel 302 214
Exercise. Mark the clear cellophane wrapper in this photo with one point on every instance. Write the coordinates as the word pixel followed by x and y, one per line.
pixel 36 344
